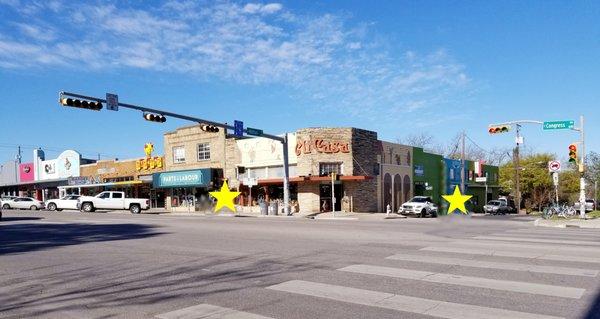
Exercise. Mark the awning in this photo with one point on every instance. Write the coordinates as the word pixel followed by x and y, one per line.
pixel 311 179
pixel 125 183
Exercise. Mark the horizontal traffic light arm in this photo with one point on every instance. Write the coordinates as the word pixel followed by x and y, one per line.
pixel 166 113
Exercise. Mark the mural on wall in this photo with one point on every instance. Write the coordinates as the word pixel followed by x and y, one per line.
pixel 262 151
pixel 64 166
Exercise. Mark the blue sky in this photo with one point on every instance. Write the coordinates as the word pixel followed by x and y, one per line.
pixel 396 67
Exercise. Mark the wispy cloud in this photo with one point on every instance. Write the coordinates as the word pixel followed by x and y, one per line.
pixel 324 58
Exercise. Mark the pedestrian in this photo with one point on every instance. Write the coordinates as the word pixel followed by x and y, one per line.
pixel 388 210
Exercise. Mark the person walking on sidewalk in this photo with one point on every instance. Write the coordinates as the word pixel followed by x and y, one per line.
pixel 388 210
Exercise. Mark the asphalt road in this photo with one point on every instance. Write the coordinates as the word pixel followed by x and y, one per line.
pixel 105 265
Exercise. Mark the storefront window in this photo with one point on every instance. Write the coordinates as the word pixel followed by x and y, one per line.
pixel 203 151
pixel 328 168
pixel 178 154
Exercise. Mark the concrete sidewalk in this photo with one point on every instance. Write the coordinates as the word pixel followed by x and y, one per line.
pixel 580 223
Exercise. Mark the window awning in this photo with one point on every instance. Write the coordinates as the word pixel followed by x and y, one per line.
pixel 309 179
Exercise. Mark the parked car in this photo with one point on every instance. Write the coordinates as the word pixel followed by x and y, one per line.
pixel 590 205
pixel 23 203
pixel 67 202
pixel 420 206
pixel 6 198
pixel 112 201
pixel 497 207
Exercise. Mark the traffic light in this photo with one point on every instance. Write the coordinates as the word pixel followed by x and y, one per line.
pixel 155 117
pixel 83 104
pixel 499 129
pixel 209 128
pixel 572 153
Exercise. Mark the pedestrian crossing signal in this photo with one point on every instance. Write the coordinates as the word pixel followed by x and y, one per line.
pixel 83 104
pixel 499 129
pixel 155 117
pixel 572 153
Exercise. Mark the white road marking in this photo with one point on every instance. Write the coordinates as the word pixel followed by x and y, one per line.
pixel 507 253
pixel 540 240
pixel 479 282
pixel 207 311
pixel 496 265
pixel 435 308
pixel 542 249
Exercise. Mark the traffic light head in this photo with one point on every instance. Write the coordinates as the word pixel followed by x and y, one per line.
pixel 155 117
pixel 572 153
pixel 495 129
pixel 83 104
pixel 209 128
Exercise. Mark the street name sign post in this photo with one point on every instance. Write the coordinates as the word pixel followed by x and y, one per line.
pixel 254 131
pixel 559 125
pixel 238 128
pixel 112 102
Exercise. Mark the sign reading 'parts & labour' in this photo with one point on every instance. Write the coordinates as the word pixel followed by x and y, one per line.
pixel 321 146
pixel 191 178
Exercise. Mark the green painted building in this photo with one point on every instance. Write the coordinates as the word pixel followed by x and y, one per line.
pixel 428 174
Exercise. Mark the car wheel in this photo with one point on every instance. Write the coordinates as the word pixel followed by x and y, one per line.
pixel 423 213
pixel 135 209
pixel 5 206
pixel 434 215
pixel 52 207
pixel 87 207
pixel 33 207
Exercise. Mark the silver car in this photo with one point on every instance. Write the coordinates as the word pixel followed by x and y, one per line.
pixel 23 203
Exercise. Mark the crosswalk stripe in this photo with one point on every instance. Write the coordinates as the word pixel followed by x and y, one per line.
pixel 550 249
pixel 435 308
pixel 207 311
pixel 507 253
pixel 496 265
pixel 565 231
pixel 586 238
pixel 479 282
pixel 540 240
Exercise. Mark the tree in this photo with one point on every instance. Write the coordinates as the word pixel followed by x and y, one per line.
pixel 535 181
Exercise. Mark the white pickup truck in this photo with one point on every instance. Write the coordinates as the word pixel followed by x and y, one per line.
pixel 112 201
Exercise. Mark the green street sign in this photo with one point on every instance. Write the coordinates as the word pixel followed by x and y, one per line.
pixel 559 125
pixel 254 131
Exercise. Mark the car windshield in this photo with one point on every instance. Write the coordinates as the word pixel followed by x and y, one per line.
pixel 494 203
pixel 419 199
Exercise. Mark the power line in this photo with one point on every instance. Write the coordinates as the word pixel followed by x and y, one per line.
pixel 55 149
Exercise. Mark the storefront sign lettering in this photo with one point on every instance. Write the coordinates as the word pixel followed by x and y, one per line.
pixel 194 178
pixel 321 146
pixel 84 180
pixel 149 163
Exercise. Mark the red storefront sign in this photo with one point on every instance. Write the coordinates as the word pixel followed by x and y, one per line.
pixel 321 146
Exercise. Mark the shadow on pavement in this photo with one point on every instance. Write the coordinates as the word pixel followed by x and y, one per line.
pixel 594 310
pixel 133 284
pixel 13 219
pixel 21 238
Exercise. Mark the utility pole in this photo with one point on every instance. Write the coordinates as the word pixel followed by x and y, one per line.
pixel 582 171
pixel 19 154
pixel 517 169
pixel 462 163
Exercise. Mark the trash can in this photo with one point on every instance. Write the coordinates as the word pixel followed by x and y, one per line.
pixel 273 208
pixel 263 207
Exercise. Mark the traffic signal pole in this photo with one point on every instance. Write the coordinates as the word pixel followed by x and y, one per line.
pixel 582 171
pixel 283 140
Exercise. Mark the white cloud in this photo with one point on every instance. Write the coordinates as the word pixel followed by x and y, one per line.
pixel 323 60
pixel 260 8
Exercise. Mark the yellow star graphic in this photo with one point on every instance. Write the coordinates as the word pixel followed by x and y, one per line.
pixel 457 201
pixel 225 197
